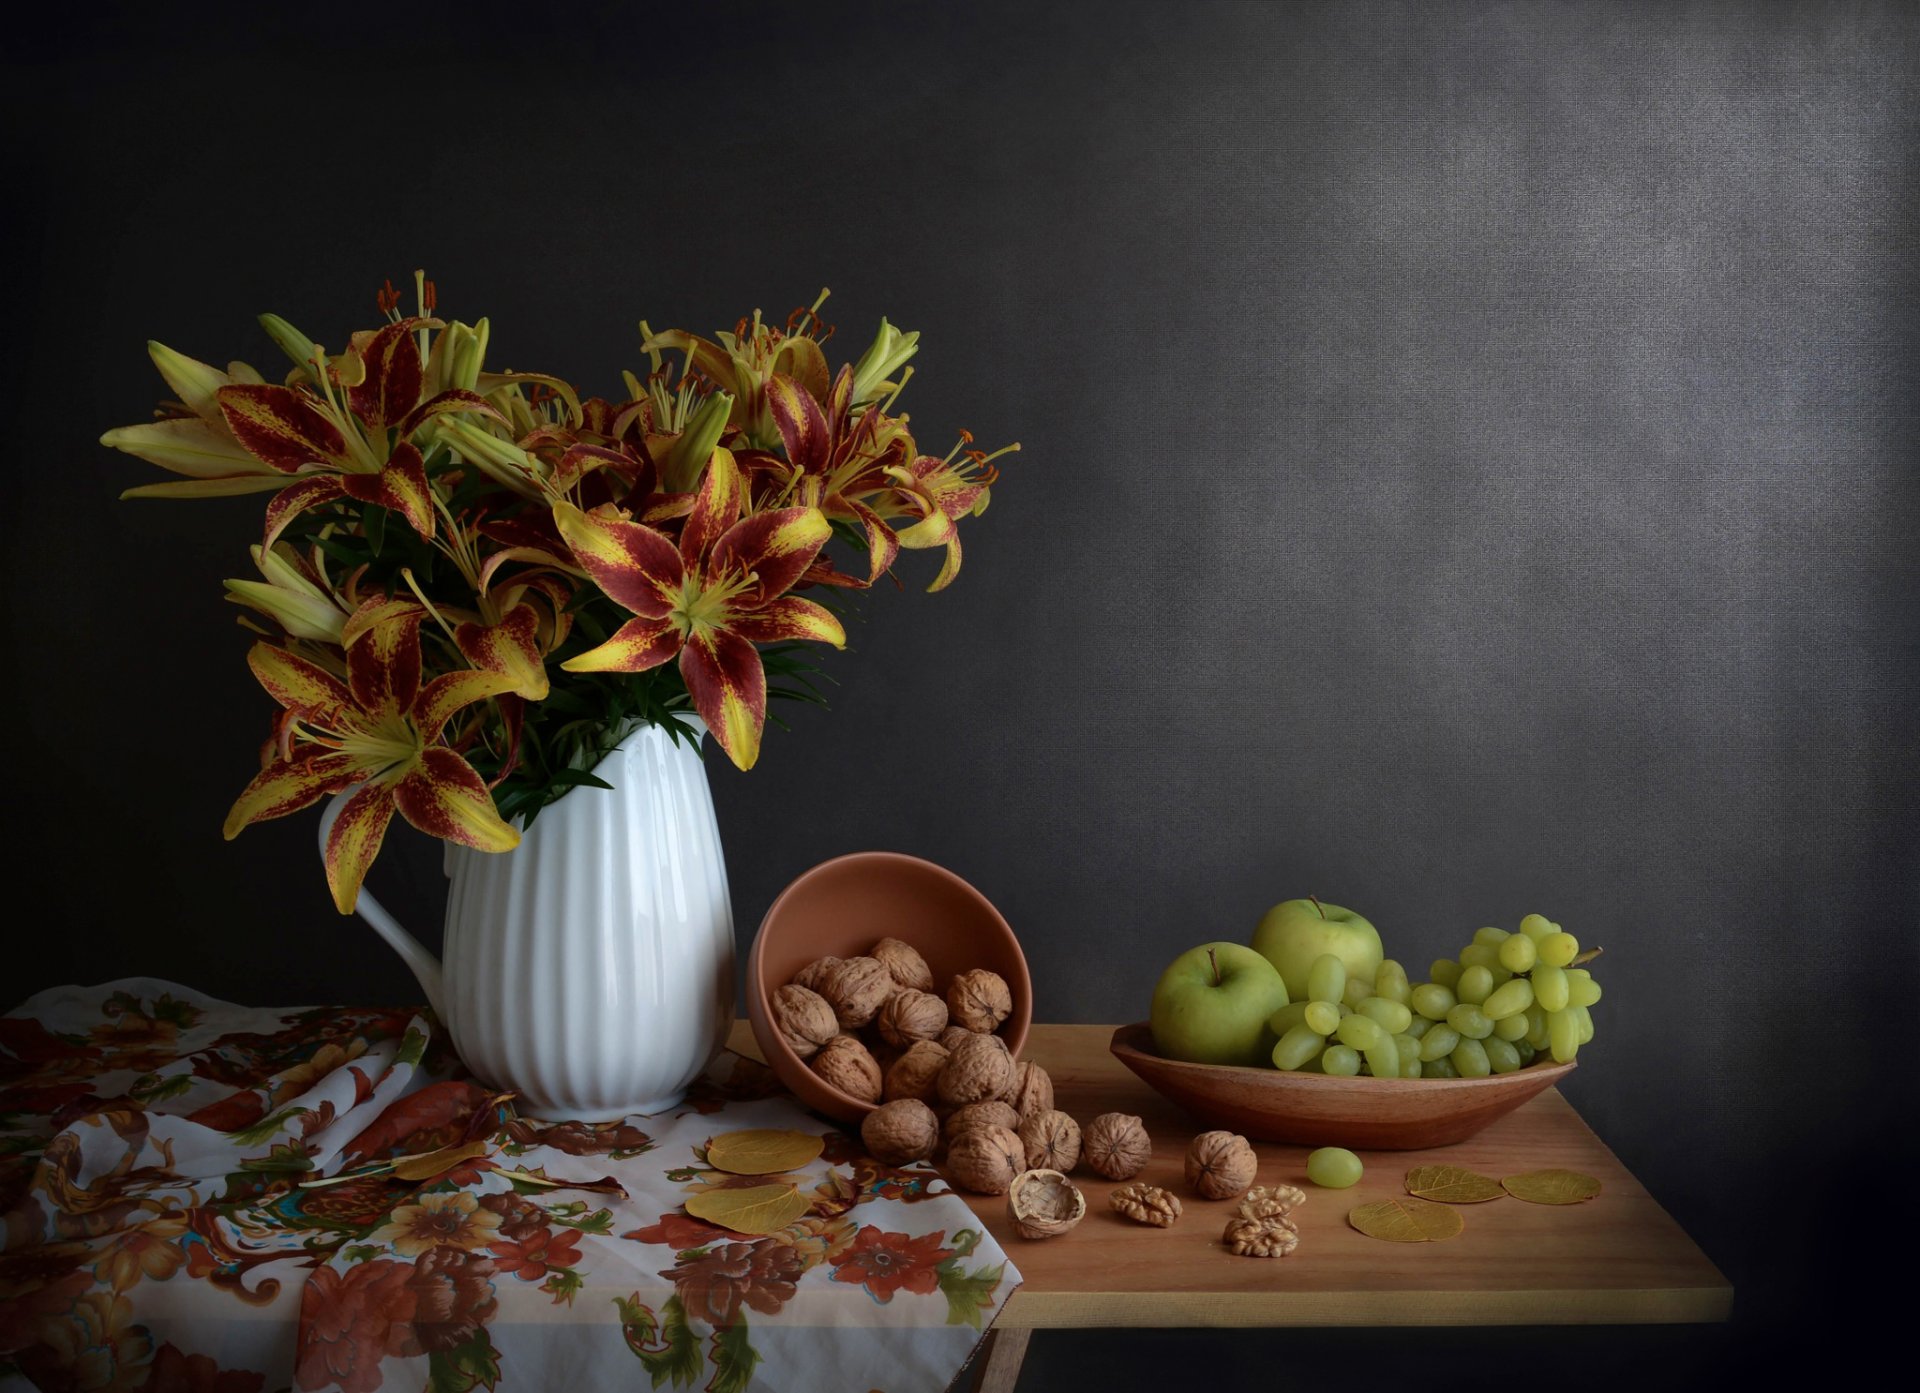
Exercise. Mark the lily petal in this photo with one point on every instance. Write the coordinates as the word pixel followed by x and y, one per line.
pixel 790 617
pixel 715 508
pixel 295 499
pixel 383 666
pixel 776 548
pixel 193 381
pixel 444 797
pixel 282 427
pixel 639 568
pixel 510 648
pixel 304 688
pixel 401 485
pixel 287 786
pixel 443 696
pixel 394 377
pixel 355 841
pixel 637 645
pixel 187 445
pixel 729 688
pixel 802 425
pixel 209 488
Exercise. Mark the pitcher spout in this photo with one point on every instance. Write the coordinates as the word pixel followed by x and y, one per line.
pixel 424 966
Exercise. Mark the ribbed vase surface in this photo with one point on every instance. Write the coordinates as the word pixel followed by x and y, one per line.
pixel 590 970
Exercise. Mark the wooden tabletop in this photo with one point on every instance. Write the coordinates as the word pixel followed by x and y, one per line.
pixel 1618 1259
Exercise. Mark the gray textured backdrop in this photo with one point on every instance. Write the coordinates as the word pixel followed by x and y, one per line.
pixel 1469 467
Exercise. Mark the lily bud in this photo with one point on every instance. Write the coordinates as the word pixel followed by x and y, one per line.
pixel 287 597
pixel 193 381
pixel 690 453
pixel 469 355
pixel 888 353
pixel 293 343
pixel 500 460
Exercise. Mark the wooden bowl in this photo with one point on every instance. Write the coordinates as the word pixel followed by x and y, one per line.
pixel 843 907
pixel 1325 1110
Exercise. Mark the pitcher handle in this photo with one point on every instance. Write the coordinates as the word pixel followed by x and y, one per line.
pixel 423 964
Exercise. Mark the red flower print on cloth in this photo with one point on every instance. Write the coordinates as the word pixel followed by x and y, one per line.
pixel 888 1262
pixel 350 1321
pixel 176 1372
pixel 453 1299
pixel 713 1286
pixel 679 1232
pixel 532 1256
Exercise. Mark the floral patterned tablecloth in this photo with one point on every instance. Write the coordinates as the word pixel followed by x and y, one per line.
pixel 162 1231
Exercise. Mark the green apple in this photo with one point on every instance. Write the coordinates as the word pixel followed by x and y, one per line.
pixel 1295 932
pixel 1212 1005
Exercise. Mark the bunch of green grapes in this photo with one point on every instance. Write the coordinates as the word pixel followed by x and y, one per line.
pixel 1507 999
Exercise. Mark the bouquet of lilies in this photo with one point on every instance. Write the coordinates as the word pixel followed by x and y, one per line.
pixel 478 582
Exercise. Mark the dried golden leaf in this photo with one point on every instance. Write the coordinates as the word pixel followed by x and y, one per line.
pixel 755 1210
pixel 1407 1221
pixel 1452 1185
pixel 763 1151
pixel 1552 1187
pixel 428 1164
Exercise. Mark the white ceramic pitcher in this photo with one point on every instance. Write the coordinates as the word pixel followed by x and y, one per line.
pixel 590 970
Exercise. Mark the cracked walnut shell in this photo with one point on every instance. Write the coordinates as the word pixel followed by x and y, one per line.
pixel 1220 1165
pixel 1115 1144
pixel 911 1015
pixel 915 1074
pixel 1044 1204
pixel 904 962
pixel 1146 1204
pixel 1032 1090
pixel 1270 1201
pixel 857 988
pixel 1273 1237
pixel 978 1068
pixel 985 1160
pixel 1052 1140
pixel 804 1019
pixel 979 1000
pixel 901 1132
pixel 844 1063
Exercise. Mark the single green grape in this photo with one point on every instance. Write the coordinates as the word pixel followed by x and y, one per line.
pixel 1438 1069
pixel 1526 1052
pixel 1296 1047
pixel 1537 926
pixel 1326 979
pixel 1286 1018
pixel 1438 1042
pixel 1342 1061
pixel 1582 1015
pixel 1321 1017
pixel 1513 1028
pixel 1550 986
pixel 1391 1016
pixel 1518 954
pixel 1407 1045
pixel 1559 949
pixel 1476 985
pixel 1563 1034
pixel 1500 976
pixel 1502 1057
pixel 1470 1021
pixel 1334 1167
pixel 1470 1058
pixel 1361 1032
pixel 1383 1058
pixel 1433 1001
pixel 1492 937
pixel 1582 990
pixel 1479 955
pixel 1409 1065
pixel 1357 990
pixel 1390 982
pixel 1444 972
pixel 1508 999
pixel 1419 1026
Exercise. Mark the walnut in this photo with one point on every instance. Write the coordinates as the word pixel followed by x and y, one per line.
pixel 804 1019
pixel 904 962
pixel 1115 1144
pixel 1146 1204
pixel 901 1132
pixel 1220 1165
pixel 991 1113
pixel 1270 1201
pixel 1052 1140
pixel 911 1015
pixel 1032 1089
pixel 985 1160
pixel 953 1035
pixel 844 1062
pixel 916 1074
pixel 858 988
pixel 815 972
pixel 979 1000
pixel 1044 1204
pixel 978 1068
pixel 1272 1237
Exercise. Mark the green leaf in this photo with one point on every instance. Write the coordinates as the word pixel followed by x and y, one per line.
pixel 476 1364
pixel 361 1252
pixel 288 1158
pixel 563 1283
pixel 267 1127
pixel 964 1242
pixel 156 1088
pixel 968 1293
pixel 733 1359
pixel 600 1221
pixel 676 1359
pixel 577 778
pixel 413 1048
pixel 373 522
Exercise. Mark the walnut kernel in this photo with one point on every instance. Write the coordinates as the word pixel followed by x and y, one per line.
pixel 901 1132
pixel 985 1160
pixel 978 1068
pixel 1052 1140
pixel 916 1074
pixel 858 988
pixel 1270 1201
pixel 804 1019
pixel 910 1015
pixel 1220 1165
pixel 979 1000
pixel 1272 1237
pixel 1115 1144
pixel 845 1063
pixel 1146 1204
pixel 904 962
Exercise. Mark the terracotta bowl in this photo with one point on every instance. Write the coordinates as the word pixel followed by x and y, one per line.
pixel 1322 1110
pixel 843 907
